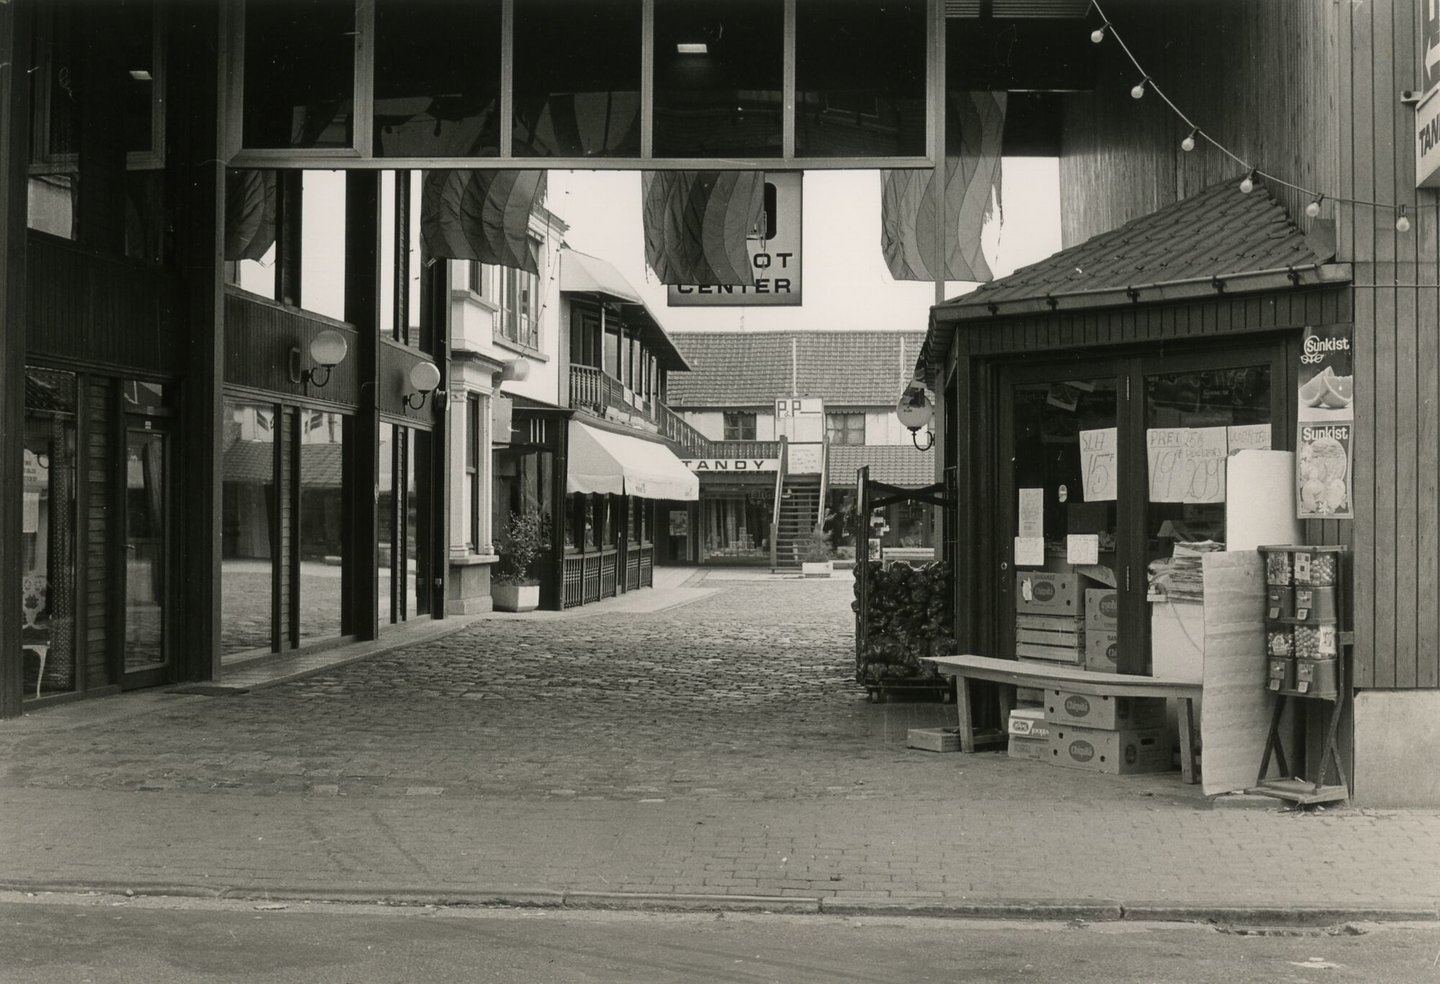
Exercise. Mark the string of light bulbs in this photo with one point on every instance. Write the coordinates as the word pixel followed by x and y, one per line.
pixel 1252 173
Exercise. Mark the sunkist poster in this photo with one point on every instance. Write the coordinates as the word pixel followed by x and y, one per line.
pixel 1324 449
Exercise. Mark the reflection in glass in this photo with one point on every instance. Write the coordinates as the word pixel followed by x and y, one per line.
pixel 1049 419
pixel 385 505
pixel 860 78
pixel 719 70
pixel 145 549
pixel 47 531
pixel 412 538
pixel 577 78
pixel 299 74
pixel 321 534
pixel 1185 401
pixel 247 527
pixel 437 100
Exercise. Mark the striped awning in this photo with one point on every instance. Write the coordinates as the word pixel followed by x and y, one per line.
pixel 482 215
pixel 697 224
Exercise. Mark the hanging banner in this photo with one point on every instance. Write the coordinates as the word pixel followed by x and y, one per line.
pixel 1324 464
pixel 774 255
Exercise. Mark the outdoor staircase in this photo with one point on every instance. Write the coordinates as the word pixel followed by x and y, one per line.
pixel 799 509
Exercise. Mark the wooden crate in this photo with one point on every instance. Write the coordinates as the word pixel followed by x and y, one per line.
pixel 1057 638
pixel 934 739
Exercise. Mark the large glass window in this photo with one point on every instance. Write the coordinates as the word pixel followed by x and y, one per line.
pixel 860 78
pixel 299 74
pixel 321 533
pixel 322 253
pixel 437 100
pixel 519 316
pixel 247 527
pixel 719 71
pixel 577 78
pixel 386 503
pixel 735 525
pixel 47 531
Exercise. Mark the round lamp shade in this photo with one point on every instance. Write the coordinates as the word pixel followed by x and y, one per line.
pixel 914 410
pixel 328 348
pixel 424 377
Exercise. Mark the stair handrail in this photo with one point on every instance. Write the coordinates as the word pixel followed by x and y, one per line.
pixel 824 482
pixel 775 506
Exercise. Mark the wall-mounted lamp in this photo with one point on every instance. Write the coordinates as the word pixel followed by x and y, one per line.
pixel 327 350
pixel 516 369
pixel 424 378
pixel 915 412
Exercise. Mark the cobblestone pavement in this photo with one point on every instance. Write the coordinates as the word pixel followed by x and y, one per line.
pixel 716 747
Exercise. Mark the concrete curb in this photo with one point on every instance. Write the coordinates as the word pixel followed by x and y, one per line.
pixel 1037 910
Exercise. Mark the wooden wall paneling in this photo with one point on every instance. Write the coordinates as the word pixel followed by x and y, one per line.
pixel 259 336
pixel 95 469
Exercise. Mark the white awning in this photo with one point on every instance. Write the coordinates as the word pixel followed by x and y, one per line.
pixel 603 461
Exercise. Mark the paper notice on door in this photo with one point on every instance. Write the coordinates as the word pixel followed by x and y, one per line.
pixel 1165 451
pixel 1203 469
pixel 1082 548
pixel 1032 514
pixel 1249 437
pixel 1029 551
pixel 1098 464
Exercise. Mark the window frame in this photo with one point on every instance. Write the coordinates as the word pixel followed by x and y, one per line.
pixel 360 153
pixel 735 423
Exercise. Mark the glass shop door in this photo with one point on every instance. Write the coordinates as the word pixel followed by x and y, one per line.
pixel 146 571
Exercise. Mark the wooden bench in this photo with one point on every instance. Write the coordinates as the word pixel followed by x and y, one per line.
pixel 1074 680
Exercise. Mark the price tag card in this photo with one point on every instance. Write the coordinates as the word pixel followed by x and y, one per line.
pixel 1099 464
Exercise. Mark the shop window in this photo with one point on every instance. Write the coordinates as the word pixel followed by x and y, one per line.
pixel 719 71
pixel 321 534
pixel 577 78
pixel 437 100
pixel 860 78
pixel 735 526
pixel 247 526
pixel 845 428
pixel 299 67
pixel 473 486
pixel 739 425
pixel 48 532
pixel 99 72
pixel 386 503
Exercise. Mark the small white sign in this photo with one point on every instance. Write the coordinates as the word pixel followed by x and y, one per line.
pixel 1029 551
pixel 1082 548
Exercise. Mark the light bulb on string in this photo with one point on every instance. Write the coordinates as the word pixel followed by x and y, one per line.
pixel 1313 209
pixel 1098 34
pixel 1402 224
pixel 1188 144
pixel 1138 92
pixel 1247 184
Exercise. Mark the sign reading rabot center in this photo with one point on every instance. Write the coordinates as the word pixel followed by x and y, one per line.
pixel 775 258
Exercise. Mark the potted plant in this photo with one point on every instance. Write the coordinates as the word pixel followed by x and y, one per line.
pixel 815 558
pixel 515 589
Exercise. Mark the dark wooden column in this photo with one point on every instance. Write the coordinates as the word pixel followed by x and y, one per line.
pixel 435 300
pixel 362 433
pixel 195 192
pixel 15 19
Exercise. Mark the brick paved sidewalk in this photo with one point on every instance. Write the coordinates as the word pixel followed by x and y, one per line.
pixel 650 754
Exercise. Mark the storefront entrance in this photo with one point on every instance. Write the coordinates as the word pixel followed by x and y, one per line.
pixel 1114 471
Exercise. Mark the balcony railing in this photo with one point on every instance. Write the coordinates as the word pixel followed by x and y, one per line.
pixel 594 389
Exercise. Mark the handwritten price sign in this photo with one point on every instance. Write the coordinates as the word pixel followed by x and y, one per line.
pixel 1099 464
pixel 1187 464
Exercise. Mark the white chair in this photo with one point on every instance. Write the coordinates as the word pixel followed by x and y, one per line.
pixel 32 603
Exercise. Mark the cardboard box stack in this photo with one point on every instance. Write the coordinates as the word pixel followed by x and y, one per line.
pixel 1049 617
pixel 1102 611
pixel 1115 735
pixel 1029 735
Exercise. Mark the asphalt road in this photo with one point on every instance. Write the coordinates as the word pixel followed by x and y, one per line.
pixel 97 939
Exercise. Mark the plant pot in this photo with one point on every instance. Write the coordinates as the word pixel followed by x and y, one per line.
pixel 817 568
pixel 515 597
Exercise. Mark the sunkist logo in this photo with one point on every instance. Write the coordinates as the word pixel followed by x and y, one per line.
pixel 1316 348
pixel 1109 606
pixel 1339 432
pixel 1082 751
pixel 1077 706
pixel 1043 591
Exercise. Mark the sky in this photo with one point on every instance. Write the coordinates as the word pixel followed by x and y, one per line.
pixel 846 283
